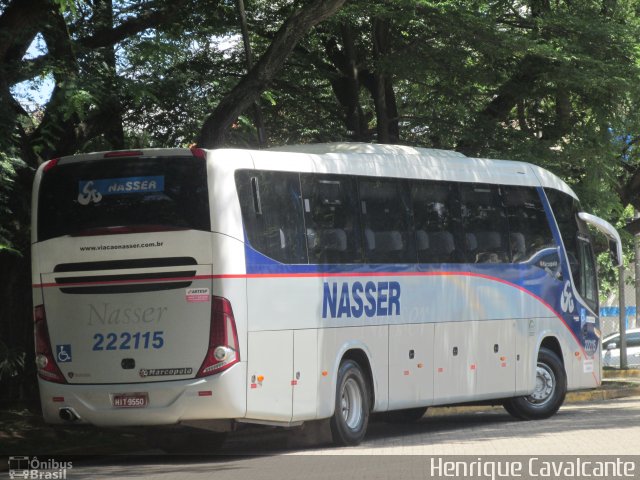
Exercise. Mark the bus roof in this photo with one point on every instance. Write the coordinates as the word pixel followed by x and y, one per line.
pixel 368 159
pixel 410 162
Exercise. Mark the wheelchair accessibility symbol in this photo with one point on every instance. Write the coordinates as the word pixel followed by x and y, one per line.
pixel 63 353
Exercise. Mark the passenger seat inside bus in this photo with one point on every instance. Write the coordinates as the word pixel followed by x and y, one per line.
pixel 275 240
pixel 329 239
pixel 422 241
pixel 440 247
pixel 518 246
pixel 489 248
pixel 386 241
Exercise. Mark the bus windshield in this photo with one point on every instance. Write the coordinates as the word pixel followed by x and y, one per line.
pixel 123 195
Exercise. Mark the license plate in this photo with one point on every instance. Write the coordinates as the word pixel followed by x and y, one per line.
pixel 130 400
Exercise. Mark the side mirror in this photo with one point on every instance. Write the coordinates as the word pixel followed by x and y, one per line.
pixel 613 253
pixel 612 346
pixel 609 231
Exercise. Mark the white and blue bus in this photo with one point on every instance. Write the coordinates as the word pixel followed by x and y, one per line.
pixel 303 283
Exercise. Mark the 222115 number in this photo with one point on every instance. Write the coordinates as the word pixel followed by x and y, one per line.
pixel 128 341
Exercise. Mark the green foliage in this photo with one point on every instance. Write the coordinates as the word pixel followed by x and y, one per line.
pixel 552 83
pixel 67 6
pixel 608 275
pixel 8 167
pixel 12 362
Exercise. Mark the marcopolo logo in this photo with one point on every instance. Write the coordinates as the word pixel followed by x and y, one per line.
pixel 94 190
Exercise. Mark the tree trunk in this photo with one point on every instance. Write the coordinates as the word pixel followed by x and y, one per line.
pixel 382 91
pixel 355 118
pixel 506 98
pixel 58 131
pixel 19 23
pixel 346 82
pixel 257 112
pixel 109 101
pixel 249 88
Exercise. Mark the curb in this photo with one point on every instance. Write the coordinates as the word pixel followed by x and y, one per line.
pixel 602 394
pixel 598 394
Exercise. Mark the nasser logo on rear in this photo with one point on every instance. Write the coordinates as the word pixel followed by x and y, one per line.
pixel 92 191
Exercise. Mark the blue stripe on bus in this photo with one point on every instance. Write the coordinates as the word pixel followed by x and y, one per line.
pixel 526 276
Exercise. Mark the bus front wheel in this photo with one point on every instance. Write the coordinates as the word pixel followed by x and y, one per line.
pixel 548 394
pixel 351 416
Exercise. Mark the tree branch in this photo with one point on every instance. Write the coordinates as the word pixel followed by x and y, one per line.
pixel 106 37
pixel 530 69
pixel 259 77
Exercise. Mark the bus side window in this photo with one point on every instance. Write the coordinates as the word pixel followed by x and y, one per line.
pixel 588 280
pixel 331 218
pixel 577 244
pixel 386 217
pixel 437 222
pixel 484 221
pixel 272 214
pixel 529 232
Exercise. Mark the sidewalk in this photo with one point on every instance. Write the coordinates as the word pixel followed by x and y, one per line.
pixel 23 432
pixel 631 373
pixel 615 384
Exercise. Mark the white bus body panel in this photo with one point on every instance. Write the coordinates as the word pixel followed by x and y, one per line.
pixel 169 402
pixel 411 365
pixel 283 337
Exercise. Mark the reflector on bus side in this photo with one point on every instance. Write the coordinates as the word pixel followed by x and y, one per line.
pixel 50 164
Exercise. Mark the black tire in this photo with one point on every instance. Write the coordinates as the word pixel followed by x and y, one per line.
pixel 515 413
pixel 351 416
pixel 407 415
pixel 549 393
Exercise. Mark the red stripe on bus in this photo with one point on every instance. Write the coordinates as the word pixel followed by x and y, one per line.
pixel 328 275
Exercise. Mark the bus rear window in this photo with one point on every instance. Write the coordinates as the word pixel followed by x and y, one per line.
pixel 132 194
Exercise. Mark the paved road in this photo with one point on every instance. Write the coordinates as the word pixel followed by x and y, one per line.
pixel 598 428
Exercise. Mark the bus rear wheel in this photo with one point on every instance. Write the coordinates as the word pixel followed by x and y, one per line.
pixel 548 394
pixel 351 416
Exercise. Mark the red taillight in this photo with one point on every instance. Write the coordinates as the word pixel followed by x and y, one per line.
pixel 198 152
pixel 50 164
pixel 223 348
pixel 47 366
pixel 129 153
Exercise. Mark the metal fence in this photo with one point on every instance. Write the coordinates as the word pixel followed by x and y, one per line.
pixel 610 320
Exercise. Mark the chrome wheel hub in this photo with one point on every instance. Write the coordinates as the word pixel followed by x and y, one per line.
pixel 351 404
pixel 545 385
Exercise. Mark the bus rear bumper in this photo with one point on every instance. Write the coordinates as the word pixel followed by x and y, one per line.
pixel 221 396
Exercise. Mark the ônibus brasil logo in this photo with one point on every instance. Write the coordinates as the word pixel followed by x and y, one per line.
pixel 28 467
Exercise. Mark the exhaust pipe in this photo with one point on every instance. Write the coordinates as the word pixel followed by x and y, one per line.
pixel 69 415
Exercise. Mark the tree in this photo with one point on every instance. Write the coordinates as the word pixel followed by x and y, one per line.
pixel 93 99
pixel 260 76
pixel 553 83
